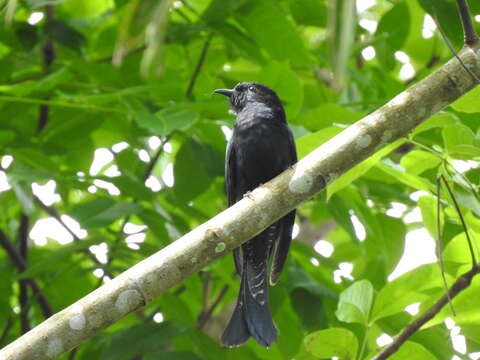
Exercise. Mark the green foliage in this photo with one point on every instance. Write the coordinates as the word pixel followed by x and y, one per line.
pixel 95 73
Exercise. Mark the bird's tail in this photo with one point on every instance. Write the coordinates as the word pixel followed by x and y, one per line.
pixel 251 316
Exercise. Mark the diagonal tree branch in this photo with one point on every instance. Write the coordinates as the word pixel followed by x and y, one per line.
pixel 20 264
pixel 460 284
pixel 155 275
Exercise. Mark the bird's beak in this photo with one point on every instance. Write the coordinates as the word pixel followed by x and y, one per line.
pixel 226 92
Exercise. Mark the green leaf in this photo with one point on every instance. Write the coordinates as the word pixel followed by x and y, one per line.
pixel 399 173
pixel 457 135
pixel 328 343
pixel 325 115
pixel 167 120
pixel 414 286
pixel 48 261
pixel 438 120
pixel 287 85
pixel 392 34
pixel 412 351
pixel 351 175
pixel 142 339
pixel 64 34
pixel 102 211
pixel 171 355
pixel 428 207
pixel 468 103
pixel 309 12
pixel 456 255
pixel 417 161
pixel 193 158
pixel 443 10
pixel 355 303
pixel 6 137
pixel 310 142
pixel 264 21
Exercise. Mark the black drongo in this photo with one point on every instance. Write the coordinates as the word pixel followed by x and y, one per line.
pixel 261 147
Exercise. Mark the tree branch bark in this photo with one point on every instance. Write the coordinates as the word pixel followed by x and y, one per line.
pixel 460 284
pixel 20 264
pixel 153 276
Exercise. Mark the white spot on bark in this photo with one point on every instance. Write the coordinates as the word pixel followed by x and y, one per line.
pixel 386 136
pixel 400 99
pixel 363 141
pixel 151 278
pixel 78 320
pixel 300 182
pixel 54 348
pixel 194 259
pixel 127 300
pixel 220 247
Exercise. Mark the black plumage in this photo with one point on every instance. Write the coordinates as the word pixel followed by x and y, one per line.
pixel 261 147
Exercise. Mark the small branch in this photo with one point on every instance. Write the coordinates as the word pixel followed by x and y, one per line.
pixel 439 243
pixel 453 51
pixel 470 35
pixel 50 210
pixel 20 264
pixel 204 317
pixel 198 68
pixel 461 284
pixel 6 329
pixel 146 175
pixel 155 158
pixel 48 52
pixel 462 220
pixel 23 252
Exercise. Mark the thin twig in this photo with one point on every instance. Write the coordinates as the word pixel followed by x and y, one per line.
pixel 439 244
pixel 155 158
pixel 20 264
pixel 50 210
pixel 469 33
pixel 204 317
pixel 198 68
pixel 460 284
pixel 460 215
pixel 48 53
pixel 23 252
pixel 452 49
pixel 6 329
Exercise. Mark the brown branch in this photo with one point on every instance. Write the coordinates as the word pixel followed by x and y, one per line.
pixel 452 49
pixel 198 68
pixel 23 252
pixel 470 35
pixel 205 316
pixel 48 53
pixel 20 264
pixel 460 284
pixel 155 158
pixel 462 220
pixel 50 210
pixel 6 329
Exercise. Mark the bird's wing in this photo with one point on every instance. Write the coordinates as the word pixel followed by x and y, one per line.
pixel 282 244
pixel 230 178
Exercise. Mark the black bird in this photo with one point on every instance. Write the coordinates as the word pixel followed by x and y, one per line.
pixel 261 147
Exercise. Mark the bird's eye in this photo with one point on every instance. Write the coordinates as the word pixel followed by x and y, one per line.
pixel 252 88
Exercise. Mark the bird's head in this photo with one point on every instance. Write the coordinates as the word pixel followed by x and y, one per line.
pixel 246 93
